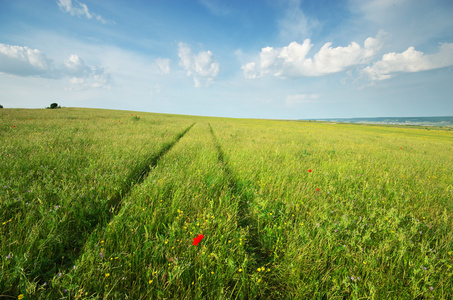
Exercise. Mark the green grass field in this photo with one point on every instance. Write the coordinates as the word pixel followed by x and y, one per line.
pixel 105 204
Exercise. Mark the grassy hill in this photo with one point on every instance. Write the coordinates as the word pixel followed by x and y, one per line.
pixel 106 204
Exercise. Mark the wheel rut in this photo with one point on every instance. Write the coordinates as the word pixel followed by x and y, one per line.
pixel 113 206
pixel 142 171
pixel 244 200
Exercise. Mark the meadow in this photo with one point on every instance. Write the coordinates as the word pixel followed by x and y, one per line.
pixel 107 204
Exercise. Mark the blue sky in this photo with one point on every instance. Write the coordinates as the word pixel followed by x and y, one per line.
pixel 278 59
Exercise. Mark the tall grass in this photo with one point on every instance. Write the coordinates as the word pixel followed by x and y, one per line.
pixel 98 204
pixel 62 174
pixel 347 211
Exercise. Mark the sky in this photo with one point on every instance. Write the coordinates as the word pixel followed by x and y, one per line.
pixel 273 59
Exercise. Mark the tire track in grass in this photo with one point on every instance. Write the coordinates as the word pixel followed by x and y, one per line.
pixel 114 205
pixel 244 200
pixel 141 172
pixel 157 237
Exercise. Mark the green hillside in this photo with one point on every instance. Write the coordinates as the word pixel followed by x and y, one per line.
pixel 106 204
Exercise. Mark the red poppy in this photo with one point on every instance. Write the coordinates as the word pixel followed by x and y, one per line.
pixel 14 126
pixel 309 170
pixel 197 239
pixel 317 190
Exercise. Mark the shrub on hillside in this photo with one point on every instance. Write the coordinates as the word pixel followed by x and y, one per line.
pixel 53 106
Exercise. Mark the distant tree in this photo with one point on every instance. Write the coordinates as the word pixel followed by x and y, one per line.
pixel 1 106
pixel 54 105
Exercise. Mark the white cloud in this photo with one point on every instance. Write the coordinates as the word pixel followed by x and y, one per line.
pixel 292 100
pixel 92 82
pixel 249 70
pixel 410 60
pixel 25 62
pixel 79 9
pixel 163 65
pixel 292 60
pixel 201 66
pixel 84 76
pixel 75 66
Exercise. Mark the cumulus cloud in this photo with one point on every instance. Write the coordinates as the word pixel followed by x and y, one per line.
pixel 202 66
pixel 78 9
pixel 84 76
pixel 410 60
pixel 25 62
pixel 93 82
pixel 292 100
pixel 163 65
pixel 76 67
pixel 292 60
pixel 249 70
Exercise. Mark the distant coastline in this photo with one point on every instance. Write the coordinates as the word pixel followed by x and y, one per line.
pixel 446 121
